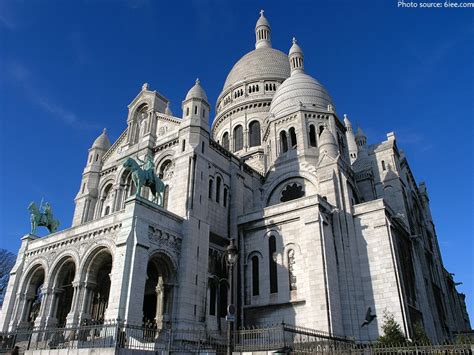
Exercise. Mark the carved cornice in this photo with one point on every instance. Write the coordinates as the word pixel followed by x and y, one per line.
pixel 166 145
pixel 108 171
pixel 67 241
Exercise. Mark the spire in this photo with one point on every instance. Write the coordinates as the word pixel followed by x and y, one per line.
pixel 327 143
pixel 296 58
pixel 351 142
pixel 348 124
pixel 361 139
pixel 262 32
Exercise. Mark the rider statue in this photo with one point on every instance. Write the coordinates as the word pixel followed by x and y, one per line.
pixel 148 166
pixel 48 211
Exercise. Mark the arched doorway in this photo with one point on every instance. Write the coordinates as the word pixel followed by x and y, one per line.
pixel 158 295
pixel 97 290
pixel 64 290
pixel 33 296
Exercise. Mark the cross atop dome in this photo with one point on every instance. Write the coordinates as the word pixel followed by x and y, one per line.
pixel 262 32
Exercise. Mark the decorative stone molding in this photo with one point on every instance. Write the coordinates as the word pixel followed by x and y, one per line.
pixel 68 242
pixel 165 240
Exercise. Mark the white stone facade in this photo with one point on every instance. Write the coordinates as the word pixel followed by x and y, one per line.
pixel 326 226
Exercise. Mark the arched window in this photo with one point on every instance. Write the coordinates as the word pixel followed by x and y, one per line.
pixel 272 264
pixel 255 276
pixel 183 148
pixel 383 165
pixel 312 136
pixel 218 189
pixel 187 111
pixel 225 196
pixel 254 133
pixel 211 184
pixel 292 192
pixel 225 140
pixel 293 138
pixel 238 138
pixel 283 142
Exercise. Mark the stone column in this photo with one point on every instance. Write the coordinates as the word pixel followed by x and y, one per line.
pixel 46 293
pixel 51 320
pixel 159 289
pixel 24 309
pixel 72 316
pixel 84 304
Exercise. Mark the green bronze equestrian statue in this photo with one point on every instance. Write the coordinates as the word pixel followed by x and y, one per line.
pixel 42 218
pixel 146 177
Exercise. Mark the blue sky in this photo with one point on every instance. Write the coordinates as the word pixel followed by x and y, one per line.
pixel 70 68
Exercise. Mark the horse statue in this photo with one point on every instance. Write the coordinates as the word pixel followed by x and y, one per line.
pixel 43 218
pixel 146 177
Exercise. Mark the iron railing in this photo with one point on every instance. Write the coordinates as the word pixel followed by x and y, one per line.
pixel 284 338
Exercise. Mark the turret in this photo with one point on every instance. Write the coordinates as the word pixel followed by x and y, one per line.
pixel 262 32
pixel 196 107
pixel 361 141
pixel 327 144
pixel 296 58
pixel 351 142
pixel 86 198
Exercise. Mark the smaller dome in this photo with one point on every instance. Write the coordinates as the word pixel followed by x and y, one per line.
pixel 196 92
pixel 295 48
pixel 262 21
pixel 327 143
pixel 326 138
pixel 102 141
pixel 299 90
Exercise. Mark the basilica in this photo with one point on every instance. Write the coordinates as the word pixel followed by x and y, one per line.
pixel 330 232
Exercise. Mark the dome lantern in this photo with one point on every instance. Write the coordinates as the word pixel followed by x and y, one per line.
pixel 296 57
pixel 262 32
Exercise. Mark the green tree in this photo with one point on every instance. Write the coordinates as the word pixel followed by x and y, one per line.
pixel 392 332
pixel 419 335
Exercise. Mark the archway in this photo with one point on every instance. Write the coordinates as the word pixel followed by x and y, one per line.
pixel 64 290
pixel 158 295
pixel 33 295
pixel 97 290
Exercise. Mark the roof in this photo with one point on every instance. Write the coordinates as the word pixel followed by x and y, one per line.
pixel 261 63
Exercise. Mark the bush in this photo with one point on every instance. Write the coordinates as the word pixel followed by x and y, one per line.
pixel 419 335
pixel 392 332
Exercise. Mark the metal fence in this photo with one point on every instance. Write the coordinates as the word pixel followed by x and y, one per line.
pixel 284 338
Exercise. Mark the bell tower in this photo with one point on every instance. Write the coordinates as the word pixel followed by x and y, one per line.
pixel 86 198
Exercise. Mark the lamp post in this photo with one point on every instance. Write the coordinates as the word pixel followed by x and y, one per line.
pixel 231 256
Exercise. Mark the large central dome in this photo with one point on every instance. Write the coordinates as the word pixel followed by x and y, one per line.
pixel 261 63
